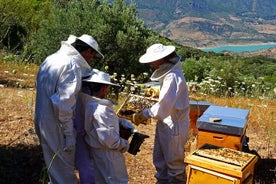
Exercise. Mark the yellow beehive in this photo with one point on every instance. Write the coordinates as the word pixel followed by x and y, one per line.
pixel 220 139
pixel 212 164
pixel 222 126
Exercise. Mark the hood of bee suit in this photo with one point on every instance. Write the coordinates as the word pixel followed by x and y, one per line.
pixel 165 68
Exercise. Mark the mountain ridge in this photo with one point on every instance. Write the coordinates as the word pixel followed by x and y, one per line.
pixel 210 23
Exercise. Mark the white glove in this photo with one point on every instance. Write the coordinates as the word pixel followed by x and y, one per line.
pixel 70 142
pixel 140 118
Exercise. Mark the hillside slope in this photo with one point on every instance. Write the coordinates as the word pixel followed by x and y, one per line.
pixel 270 53
pixel 208 23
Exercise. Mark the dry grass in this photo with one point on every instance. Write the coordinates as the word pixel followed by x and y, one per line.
pixel 17 74
pixel 20 150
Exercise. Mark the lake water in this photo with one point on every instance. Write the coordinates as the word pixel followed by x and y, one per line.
pixel 240 48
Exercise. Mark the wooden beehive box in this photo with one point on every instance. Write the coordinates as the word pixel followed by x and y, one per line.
pixel 212 164
pixel 197 108
pixel 222 126
pixel 220 139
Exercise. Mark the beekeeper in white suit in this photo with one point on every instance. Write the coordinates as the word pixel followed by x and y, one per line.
pixel 171 111
pixel 58 83
pixel 102 126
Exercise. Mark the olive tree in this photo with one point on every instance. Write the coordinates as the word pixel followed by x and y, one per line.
pixel 122 37
pixel 18 18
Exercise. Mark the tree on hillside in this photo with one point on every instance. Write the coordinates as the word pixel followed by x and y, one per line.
pixel 18 18
pixel 196 70
pixel 121 35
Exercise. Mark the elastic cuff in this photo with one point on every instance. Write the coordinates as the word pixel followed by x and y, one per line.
pixel 68 128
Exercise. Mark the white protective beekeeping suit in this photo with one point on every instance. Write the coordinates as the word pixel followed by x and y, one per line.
pixel 107 147
pixel 58 83
pixel 172 129
pixel 171 112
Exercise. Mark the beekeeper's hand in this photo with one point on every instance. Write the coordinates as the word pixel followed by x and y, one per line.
pixel 140 118
pixel 70 142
